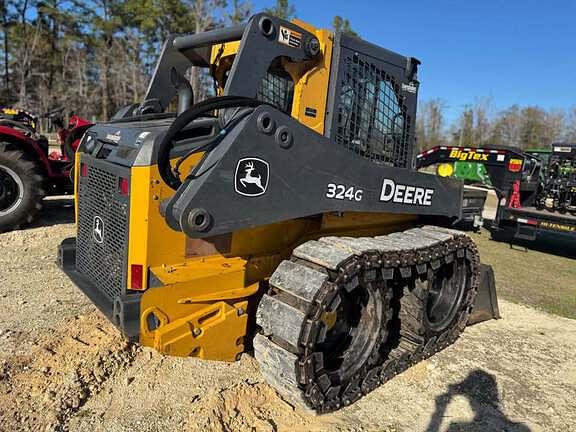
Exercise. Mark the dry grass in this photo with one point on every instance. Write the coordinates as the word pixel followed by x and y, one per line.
pixel 533 278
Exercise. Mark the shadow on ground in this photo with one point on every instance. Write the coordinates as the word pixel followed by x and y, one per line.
pixel 481 390
pixel 57 210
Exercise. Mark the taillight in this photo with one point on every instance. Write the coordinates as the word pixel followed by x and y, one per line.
pixel 123 186
pixel 136 273
pixel 515 165
pixel 83 170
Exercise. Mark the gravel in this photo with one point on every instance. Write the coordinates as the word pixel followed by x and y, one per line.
pixel 64 367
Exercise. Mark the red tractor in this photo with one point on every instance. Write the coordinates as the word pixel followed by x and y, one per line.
pixel 28 171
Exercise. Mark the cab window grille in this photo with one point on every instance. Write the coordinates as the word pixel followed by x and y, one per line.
pixel 277 89
pixel 371 120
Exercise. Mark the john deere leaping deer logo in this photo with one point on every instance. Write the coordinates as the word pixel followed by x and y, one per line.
pixel 251 178
pixel 98 229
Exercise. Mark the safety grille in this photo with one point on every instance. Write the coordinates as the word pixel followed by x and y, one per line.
pixel 102 258
pixel 371 120
pixel 277 90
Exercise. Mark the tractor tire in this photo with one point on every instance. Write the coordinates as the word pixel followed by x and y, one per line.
pixel 345 315
pixel 21 190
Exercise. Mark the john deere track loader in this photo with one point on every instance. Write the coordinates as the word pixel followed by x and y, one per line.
pixel 282 216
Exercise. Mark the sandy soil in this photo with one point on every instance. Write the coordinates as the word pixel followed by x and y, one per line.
pixel 64 367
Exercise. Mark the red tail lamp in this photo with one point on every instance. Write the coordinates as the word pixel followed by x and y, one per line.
pixel 136 276
pixel 515 165
pixel 83 170
pixel 123 186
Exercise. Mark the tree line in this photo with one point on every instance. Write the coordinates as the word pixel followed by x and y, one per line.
pixel 480 124
pixel 94 56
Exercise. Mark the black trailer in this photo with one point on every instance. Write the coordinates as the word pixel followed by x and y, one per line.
pixel 506 167
pixel 531 224
pixel 516 177
pixel 535 220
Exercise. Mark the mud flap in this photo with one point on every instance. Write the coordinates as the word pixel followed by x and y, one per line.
pixel 486 304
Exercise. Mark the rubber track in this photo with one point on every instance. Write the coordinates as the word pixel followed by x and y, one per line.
pixel 307 286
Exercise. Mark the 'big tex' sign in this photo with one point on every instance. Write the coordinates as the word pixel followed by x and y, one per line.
pixel 468 155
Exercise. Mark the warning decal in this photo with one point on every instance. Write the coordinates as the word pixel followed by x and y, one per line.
pixel 290 37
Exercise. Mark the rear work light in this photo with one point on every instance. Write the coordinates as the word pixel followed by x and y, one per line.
pixel 136 275
pixel 123 186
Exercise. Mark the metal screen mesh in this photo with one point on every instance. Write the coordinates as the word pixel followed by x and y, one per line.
pixel 371 120
pixel 277 90
pixel 104 263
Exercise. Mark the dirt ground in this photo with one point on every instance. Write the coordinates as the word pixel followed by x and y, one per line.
pixel 64 367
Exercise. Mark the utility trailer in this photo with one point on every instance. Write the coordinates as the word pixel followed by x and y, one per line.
pixel 531 224
pixel 550 215
pixel 517 181
pixel 501 166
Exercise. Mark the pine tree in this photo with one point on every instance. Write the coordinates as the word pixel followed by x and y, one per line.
pixel 342 25
pixel 283 9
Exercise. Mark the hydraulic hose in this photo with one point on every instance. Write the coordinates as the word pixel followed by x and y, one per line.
pixel 220 102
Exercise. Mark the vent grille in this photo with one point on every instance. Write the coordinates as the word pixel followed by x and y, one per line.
pixel 103 263
pixel 277 90
pixel 371 119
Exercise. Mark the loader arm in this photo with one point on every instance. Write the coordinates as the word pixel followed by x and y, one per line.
pixel 302 174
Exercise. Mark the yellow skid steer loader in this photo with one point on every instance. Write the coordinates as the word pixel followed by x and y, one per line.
pixel 283 215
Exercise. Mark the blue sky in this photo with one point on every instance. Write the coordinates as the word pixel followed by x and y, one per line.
pixel 514 51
